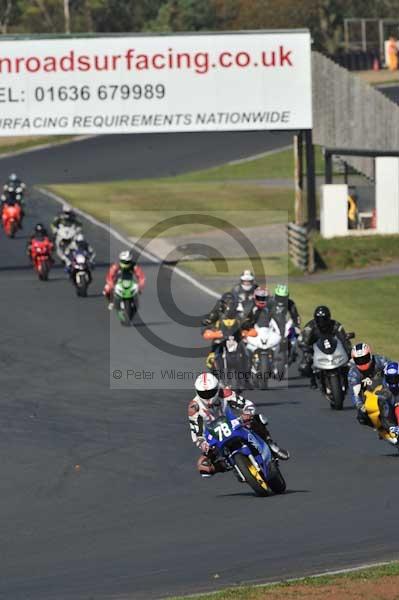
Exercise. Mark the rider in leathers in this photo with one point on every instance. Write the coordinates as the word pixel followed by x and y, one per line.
pixel 320 326
pixel 209 403
pixel 126 264
pixel 366 373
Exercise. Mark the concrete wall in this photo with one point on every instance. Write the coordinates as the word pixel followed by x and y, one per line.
pixel 387 194
pixel 334 210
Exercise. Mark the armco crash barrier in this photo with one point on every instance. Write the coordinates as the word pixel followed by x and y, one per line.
pixel 300 247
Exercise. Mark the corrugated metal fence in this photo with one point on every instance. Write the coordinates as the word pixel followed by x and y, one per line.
pixel 349 113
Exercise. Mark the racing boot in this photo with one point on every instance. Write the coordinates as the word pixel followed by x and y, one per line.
pixel 259 426
pixel 313 382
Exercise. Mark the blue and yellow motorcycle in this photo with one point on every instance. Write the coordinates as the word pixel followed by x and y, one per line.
pixel 246 453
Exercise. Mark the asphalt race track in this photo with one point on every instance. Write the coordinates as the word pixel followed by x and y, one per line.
pixel 106 158
pixel 99 496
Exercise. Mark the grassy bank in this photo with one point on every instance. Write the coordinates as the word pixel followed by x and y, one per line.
pixel 135 206
pixel 357 252
pixel 368 307
pixel 279 165
pixel 375 583
pixel 25 142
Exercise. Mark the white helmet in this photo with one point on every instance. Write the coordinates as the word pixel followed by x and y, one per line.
pixel 207 387
pixel 247 280
pixel 80 237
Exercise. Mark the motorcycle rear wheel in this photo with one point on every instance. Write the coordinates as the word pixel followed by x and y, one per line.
pixel 276 480
pixel 244 464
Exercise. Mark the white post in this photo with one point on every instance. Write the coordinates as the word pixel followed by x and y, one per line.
pixel 387 194
pixel 334 210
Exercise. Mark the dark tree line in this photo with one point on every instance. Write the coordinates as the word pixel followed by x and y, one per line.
pixel 323 17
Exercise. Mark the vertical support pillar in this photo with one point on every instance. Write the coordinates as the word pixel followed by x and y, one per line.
pixel 310 180
pixel 298 178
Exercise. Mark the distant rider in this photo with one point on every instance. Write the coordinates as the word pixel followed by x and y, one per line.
pixel 226 301
pixel 14 182
pixel 126 264
pixel 365 374
pixel 209 403
pixel 244 291
pixel 282 305
pixel 320 326
pixel 81 245
pixel 67 218
pixel 260 313
pixel 12 196
pixel 225 308
pixel 40 235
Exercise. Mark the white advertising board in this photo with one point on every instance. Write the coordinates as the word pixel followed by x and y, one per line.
pixel 221 82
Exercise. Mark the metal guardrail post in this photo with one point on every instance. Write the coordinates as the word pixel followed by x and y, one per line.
pixel 300 247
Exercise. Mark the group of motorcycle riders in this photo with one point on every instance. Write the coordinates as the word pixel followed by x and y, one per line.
pixel 366 372
pixel 13 192
pixel 250 304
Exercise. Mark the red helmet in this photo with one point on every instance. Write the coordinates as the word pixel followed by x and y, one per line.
pixel 261 295
pixel 362 356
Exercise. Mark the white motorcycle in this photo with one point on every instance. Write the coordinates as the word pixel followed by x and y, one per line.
pixel 263 344
pixel 330 365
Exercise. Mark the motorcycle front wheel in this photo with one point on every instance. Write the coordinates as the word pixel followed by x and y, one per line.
pixel 337 394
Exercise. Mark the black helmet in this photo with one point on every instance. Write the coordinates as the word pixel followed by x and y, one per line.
pixel 40 230
pixel 322 316
pixel 228 303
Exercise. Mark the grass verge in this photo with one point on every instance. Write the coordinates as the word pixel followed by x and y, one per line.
pixel 374 583
pixel 17 143
pixel 357 252
pixel 358 304
pixel 279 165
pixel 274 265
pixel 138 205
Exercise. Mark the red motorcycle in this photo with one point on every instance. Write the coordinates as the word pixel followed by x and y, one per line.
pixel 40 253
pixel 11 218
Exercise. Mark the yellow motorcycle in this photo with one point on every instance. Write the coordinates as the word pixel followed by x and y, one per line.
pixel 372 409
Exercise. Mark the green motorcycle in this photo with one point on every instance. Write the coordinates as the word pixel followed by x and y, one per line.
pixel 126 296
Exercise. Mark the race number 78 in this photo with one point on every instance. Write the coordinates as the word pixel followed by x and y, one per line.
pixel 223 430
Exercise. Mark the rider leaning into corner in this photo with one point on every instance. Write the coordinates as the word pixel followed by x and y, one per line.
pixel 209 403
pixel 320 326
pixel 366 373
pixel 126 264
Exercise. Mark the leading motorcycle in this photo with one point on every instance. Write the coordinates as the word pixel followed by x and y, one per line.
pixel 243 451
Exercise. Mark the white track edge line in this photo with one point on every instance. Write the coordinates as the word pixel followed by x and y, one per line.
pixel 125 240
pixel 289 580
pixel 239 161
